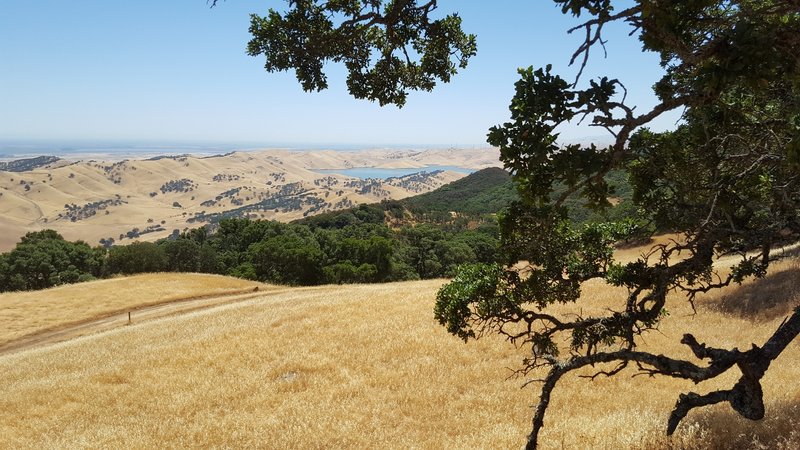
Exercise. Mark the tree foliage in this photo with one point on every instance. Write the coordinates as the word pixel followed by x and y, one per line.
pixel 726 179
pixel 138 257
pixel 486 191
pixel 183 255
pixel 389 48
pixel 291 258
pixel 44 259
pixel 294 254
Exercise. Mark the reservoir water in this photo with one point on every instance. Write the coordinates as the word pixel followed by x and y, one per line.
pixel 372 172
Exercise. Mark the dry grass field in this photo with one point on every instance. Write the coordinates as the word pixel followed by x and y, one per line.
pixel 24 313
pixel 366 366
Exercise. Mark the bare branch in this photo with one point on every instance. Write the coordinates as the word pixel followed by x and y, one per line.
pixel 593 38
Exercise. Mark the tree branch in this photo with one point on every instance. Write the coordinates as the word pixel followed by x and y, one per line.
pixel 746 396
pixel 592 39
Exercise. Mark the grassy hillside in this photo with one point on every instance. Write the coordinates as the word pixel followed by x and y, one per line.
pixel 26 164
pixel 484 192
pixel 24 313
pixel 490 190
pixel 366 366
pixel 476 196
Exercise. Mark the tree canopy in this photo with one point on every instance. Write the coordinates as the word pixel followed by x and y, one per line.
pixel 725 180
pixel 388 49
pixel 43 259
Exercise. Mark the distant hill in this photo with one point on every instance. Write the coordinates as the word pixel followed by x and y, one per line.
pixel 27 164
pixel 482 193
pixel 486 191
pixel 474 197
pixel 102 201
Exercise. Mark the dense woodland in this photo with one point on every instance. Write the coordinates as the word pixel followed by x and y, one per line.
pixel 425 236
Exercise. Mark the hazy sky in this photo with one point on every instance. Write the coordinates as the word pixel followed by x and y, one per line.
pixel 157 70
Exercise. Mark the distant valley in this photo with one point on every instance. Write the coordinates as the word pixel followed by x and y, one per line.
pixel 107 202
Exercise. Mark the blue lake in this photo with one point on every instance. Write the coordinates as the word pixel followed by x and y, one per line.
pixel 372 172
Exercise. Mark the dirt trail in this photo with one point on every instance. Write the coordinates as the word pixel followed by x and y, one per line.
pixel 137 315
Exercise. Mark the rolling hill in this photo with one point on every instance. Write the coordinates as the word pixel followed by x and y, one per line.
pixel 28 164
pixel 120 201
pixel 479 195
pixel 486 191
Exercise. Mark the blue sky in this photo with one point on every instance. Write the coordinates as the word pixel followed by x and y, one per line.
pixel 172 71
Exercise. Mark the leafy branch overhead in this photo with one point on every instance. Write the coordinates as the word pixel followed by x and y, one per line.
pixel 388 48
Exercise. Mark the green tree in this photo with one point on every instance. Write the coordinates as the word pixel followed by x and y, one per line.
pixel 44 259
pixel 199 235
pixel 183 255
pixel 346 272
pixel 726 179
pixel 5 273
pixel 138 257
pixel 208 260
pixel 369 214
pixel 235 236
pixel 423 248
pixel 244 270
pixel 483 244
pixel 452 253
pixel 291 258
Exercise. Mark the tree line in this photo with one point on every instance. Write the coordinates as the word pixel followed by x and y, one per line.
pixel 356 248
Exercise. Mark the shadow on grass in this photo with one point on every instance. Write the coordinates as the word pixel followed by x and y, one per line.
pixel 763 299
pixel 721 428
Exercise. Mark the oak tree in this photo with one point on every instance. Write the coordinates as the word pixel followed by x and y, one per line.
pixel 44 259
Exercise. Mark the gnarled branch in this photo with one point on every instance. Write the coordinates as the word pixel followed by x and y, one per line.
pixel 745 397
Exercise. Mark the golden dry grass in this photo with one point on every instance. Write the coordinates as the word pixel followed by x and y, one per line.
pixel 365 367
pixel 24 313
